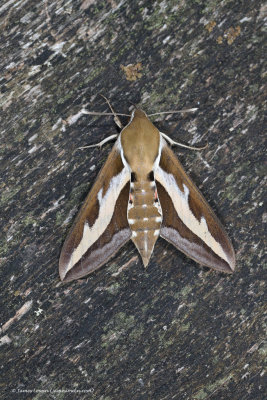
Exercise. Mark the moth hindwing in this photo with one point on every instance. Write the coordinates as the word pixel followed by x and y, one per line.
pixel 141 193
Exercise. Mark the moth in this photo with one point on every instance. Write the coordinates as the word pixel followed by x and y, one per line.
pixel 141 193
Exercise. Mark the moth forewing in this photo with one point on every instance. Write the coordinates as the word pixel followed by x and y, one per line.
pixel 101 226
pixel 188 221
pixel 142 192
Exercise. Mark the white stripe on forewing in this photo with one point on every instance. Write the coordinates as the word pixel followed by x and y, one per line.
pixel 181 205
pixel 106 210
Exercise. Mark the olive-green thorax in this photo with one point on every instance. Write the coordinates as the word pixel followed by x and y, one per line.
pixel 140 143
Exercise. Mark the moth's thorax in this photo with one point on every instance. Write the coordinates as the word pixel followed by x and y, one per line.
pixel 140 144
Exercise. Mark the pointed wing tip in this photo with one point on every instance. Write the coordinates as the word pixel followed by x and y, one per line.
pixel 65 277
pixel 232 267
pixel 68 275
pixel 232 261
pixel 65 280
pixel 62 274
pixel 229 268
pixel 63 271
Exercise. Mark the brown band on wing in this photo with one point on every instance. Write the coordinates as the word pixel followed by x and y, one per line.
pixel 117 166
pixel 167 164
pixel 198 205
pixel 88 221
pixel 115 236
pixel 176 232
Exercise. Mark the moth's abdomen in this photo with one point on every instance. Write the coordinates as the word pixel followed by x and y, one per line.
pixel 144 217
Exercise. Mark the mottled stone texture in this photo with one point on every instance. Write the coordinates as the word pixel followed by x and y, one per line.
pixel 176 330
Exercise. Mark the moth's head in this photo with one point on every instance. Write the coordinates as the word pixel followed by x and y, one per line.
pixel 138 113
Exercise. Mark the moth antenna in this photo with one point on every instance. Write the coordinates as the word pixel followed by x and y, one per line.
pixel 116 118
pixel 135 106
pixel 173 143
pixel 174 111
pixel 102 113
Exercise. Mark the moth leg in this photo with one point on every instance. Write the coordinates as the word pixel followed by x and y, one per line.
pixel 100 144
pixel 172 142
